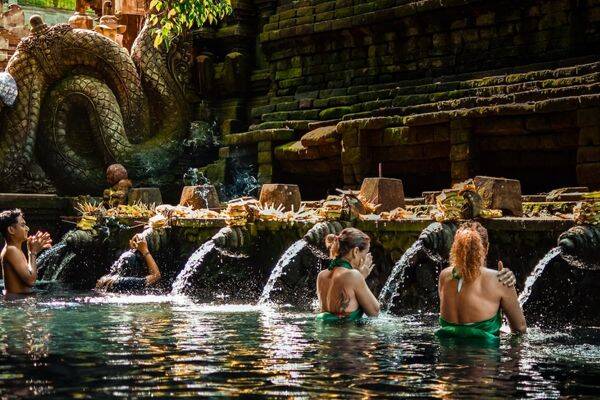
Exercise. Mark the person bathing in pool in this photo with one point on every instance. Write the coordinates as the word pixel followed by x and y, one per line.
pixel 116 283
pixel 342 288
pixel 472 298
pixel 20 273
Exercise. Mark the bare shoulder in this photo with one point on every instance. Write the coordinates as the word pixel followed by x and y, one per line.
pixel 490 279
pixel 352 275
pixel 322 274
pixel 446 272
pixel 12 253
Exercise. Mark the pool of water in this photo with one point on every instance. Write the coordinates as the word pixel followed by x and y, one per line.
pixel 89 346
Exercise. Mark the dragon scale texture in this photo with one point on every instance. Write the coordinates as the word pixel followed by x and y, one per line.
pixel 85 103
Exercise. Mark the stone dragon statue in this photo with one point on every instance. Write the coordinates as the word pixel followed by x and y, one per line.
pixel 83 103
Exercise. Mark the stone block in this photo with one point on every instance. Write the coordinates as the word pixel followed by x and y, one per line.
pixel 200 196
pixel 500 193
pixel 321 136
pixel 265 171
pixel 224 152
pixel 589 175
pixel 264 157
pixel 588 117
pixel 144 195
pixel 589 154
pixel 460 170
pixel 485 19
pixel 265 146
pixel 325 16
pixel 537 123
pixel 323 26
pixel 441 133
pixel 277 194
pixel 502 126
pixel 589 136
pixel 387 192
pixel 351 155
pixel 334 112
pixel 460 152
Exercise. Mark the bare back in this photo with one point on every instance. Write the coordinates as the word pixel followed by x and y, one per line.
pixel 336 290
pixel 479 300
pixel 12 281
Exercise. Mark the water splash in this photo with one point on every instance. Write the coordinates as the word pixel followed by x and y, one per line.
pixel 537 272
pixel 182 282
pixel 396 279
pixel 63 264
pixel 124 264
pixel 279 269
pixel 50 258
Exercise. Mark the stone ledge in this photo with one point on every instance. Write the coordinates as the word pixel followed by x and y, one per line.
pixel 281 134
pixel 35 201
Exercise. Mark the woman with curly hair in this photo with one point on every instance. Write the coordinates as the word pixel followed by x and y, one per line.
pixel 342 290
pixel 472 298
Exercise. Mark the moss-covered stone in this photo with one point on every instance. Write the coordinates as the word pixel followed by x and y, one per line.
pixel 334 112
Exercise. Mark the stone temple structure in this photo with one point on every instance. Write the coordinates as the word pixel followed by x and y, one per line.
pixel 436 91
pixel 324 93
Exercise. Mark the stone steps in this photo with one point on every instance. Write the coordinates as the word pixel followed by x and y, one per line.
pixel 522 86
pixel 263 135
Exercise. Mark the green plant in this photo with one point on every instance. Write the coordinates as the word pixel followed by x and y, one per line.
pixel 171 18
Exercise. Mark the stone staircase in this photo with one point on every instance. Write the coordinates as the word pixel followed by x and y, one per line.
pixel 428 125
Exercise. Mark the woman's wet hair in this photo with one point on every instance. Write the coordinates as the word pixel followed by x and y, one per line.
pixel 8 218
pixel 340 245
pixel 469 250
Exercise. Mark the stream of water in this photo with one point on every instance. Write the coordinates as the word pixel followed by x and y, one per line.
pixel 397 276
pixel 193 263
pixel 279 269
pixel 538 270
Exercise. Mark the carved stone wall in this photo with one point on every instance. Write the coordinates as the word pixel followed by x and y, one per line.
pixel 434 90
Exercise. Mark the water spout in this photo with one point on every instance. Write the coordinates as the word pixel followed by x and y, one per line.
pixel 397 276
pixel 182 283
pixel 313 238
pixel 536 273
pixel 226 237
pixel 278 271
pixel 435 242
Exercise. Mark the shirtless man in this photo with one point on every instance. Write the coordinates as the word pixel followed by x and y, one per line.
pixel 19 273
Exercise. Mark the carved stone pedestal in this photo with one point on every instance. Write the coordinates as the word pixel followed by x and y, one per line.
pixel 199 196
pixel 500 193
pixel 280 194
pixel 145 195
pixel 388 192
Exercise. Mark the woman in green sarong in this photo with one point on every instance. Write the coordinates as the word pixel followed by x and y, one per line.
pixel 472 299
pixel 342 290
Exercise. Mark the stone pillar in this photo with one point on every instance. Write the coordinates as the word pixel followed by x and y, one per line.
pixel 205 73
pixel 80 19
pixel 355 155
pixel 109 24
pixel 265 162
pixel 588 152
pixel 462 160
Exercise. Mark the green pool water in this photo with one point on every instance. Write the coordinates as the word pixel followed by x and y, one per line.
pixel 73 345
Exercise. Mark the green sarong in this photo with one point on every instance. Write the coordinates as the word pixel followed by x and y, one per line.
pixel 330 317
pixel 488 329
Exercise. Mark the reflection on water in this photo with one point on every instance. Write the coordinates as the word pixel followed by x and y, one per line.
pixel 90 346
